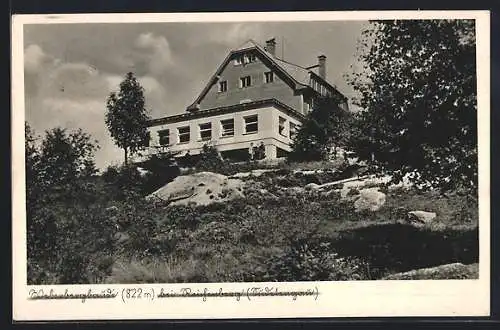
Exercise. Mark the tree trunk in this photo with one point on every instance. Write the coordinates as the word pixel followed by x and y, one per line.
pixel 126 155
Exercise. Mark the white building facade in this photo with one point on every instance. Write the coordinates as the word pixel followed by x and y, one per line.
pixel 253 98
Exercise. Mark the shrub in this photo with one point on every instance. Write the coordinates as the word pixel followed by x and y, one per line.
pixel 314 261
pixel 70 239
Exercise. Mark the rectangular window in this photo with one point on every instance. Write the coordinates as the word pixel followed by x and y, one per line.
pixel 245 82
pixel 251 58
pixel 292 131
pixel 251 124
pixel 268 77
pixel 222 86
pixel 164 137
pixel 147 138
pixel 206 131
pixel 281 126
pixel 183 134
pixel 240 59
pixel 227 127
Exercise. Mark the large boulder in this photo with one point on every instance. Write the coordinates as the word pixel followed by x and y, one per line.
pixel 370 199
pixel 311 186
pixel 442 272
pixel 420 217
pixel 200 188
pixel 362 183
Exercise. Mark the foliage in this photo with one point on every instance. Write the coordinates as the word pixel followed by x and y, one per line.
pixel 69 237
pixel 417 87
pixel 85 232
pixel 259 152
pixel 307 261
pixel 324 127
pixel 209 159
pixel 126 117
pixel 162 168
pixel 124 181
pixel 64 157
pixel 129 180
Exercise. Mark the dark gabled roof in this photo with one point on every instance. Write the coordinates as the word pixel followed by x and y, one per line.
pixel 298 76
pixel 225 109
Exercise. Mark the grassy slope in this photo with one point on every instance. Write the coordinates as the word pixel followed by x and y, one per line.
pixel 264 238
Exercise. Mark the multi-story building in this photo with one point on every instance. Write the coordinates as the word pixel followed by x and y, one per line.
pixel 253 98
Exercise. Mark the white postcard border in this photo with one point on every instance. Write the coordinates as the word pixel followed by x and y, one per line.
pixel 336 299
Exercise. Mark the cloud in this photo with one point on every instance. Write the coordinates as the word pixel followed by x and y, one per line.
pixel 75 81
pixel 69 114
pixel 227 34
pixel 154 94
pixel 155 50
pixel 35 59
pixel 242 32
pixel 70 69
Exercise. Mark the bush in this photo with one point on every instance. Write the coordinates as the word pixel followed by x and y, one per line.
pixel 71 238
pixel 314 261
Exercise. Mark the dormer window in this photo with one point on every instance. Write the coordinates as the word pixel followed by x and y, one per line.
pixel 251 58
pixel 222 86
pixel 244 59
pixel 245 82
pixel 240 59
pixel 268 77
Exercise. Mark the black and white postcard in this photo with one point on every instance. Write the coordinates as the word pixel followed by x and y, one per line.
pixel 250 165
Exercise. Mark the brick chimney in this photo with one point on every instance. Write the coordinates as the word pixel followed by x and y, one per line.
pixel 271 46
pixel 322 66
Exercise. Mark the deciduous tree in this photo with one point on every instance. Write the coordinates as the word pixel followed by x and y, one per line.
pixel 127 117
pixel 324 128
pixel 417 87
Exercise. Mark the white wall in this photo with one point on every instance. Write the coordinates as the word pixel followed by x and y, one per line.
pixel 267 132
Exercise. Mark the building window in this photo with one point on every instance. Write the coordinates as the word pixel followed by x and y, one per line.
pixel 227 127
pixel 251 124
pixel 183 134
pixel 240 59
pixel 147 138
pixel 292 132
pixel 315 85
pixel 206 131
pixel 164 136
pixel 222 86
pixel 268 77
pixel 251 58
pixel 244 59
pixel 306 107
pixel 281 126
pixel 245 82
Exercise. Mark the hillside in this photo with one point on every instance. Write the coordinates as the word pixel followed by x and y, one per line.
pixel 293 225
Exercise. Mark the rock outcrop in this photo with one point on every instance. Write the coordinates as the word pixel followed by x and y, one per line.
pixel 370 199
pixel 200 188
pixel 420 217
pixel 443 272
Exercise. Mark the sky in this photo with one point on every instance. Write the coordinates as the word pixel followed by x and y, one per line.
pixel 70 69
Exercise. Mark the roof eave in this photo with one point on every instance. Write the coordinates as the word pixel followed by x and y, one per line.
pixel 225 109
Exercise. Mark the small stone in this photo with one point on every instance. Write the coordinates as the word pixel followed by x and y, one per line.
pixel 420 217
